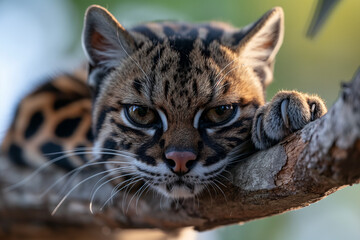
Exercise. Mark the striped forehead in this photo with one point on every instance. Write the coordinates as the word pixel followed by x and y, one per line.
pixel 187 81
pixel 157 32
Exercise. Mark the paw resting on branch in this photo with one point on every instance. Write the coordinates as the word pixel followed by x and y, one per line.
pixel 307 166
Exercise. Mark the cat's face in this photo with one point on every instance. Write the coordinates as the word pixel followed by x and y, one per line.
pixel 178 104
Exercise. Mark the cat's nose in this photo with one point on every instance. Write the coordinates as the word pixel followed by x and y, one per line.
pixel 180 161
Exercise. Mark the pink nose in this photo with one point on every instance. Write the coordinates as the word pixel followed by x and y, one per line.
pixel 180 160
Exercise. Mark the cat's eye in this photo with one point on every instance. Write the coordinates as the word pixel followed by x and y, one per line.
pixel 219 115
pixel 141 116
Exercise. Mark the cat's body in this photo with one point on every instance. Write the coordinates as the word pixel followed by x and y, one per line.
pixel 173 104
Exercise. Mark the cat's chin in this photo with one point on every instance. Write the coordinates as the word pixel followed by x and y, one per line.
pixel 179 191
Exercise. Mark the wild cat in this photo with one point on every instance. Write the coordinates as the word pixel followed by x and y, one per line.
pixel 170 105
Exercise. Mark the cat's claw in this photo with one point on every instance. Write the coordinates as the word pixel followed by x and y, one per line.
pixel 258 126
pixel 312 110
pixel 286 113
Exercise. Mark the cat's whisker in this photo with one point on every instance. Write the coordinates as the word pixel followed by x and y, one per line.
pixel 223 86
pixel 93 193
pixel 226 171
pixel 132 59
pixel 227 73
pixel 38 170
pixel 97 189
pixel 134 180
pixel 224 177
pixel 101 185
pixel 77 170
pixel 91 150
pixel 222 192
pixel 51 162
pixel 106 177
pixel 138 198
pixel 198 201
pixel 117 188
pixel 132 197
pixel 76 186
pixel 231 62
pixel 206 187
pixel 220 183
pixel 127 192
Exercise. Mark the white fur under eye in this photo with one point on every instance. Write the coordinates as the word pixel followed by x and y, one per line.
pixel 163 119
pixel 150 132
pixel 197 118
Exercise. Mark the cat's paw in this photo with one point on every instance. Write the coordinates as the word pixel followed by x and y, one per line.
pixel 287 112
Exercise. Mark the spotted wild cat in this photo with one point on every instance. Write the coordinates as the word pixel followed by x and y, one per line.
pixel 171 104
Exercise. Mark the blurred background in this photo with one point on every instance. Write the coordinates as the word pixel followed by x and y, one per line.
pixel 40 38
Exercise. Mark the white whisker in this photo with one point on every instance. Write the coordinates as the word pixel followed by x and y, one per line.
pixel 217 75
pixel 132 59
pixel 137 200
pixel 217 186
pixel 90 150
pixel 220 183
pixel 227 73
pixel 137 179
pixel 127 209
pixel 78 169
pixel 107 181
pixel 77 185
pixel 127 192
pixel 49 163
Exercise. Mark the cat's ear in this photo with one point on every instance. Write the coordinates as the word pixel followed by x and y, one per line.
pixel 106 43
pixel 262 42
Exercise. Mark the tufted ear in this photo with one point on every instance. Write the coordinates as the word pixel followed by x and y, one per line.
pixel 106 43
pixel 262 42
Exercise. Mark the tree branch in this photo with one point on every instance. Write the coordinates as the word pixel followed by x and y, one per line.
pixel 304 168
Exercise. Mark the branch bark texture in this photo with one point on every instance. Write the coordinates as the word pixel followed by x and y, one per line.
pixel 304 168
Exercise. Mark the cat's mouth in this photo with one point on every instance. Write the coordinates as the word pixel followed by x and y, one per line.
pixel 179 189
pixel 180 184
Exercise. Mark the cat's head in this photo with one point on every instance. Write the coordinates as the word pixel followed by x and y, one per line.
pixel 177 98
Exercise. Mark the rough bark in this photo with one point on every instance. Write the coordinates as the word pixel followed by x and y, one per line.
pixel 304 168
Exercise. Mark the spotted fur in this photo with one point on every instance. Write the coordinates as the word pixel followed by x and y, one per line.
pixel 180 71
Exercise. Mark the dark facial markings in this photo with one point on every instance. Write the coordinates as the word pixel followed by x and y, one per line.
pixel 166 89
pixel 89 135
pixel 194 88
pixel 137 85
pixel 235 140
pixel 220 151
pixel 109 143
pixel 126 129
pixel 141 151
pixel 226 87
pixel 186 87
pixel 237 124
pixel 184 48
pixel 101 118
pixel 157 57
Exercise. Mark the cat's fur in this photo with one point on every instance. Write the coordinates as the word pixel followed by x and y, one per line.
pixel 180 79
